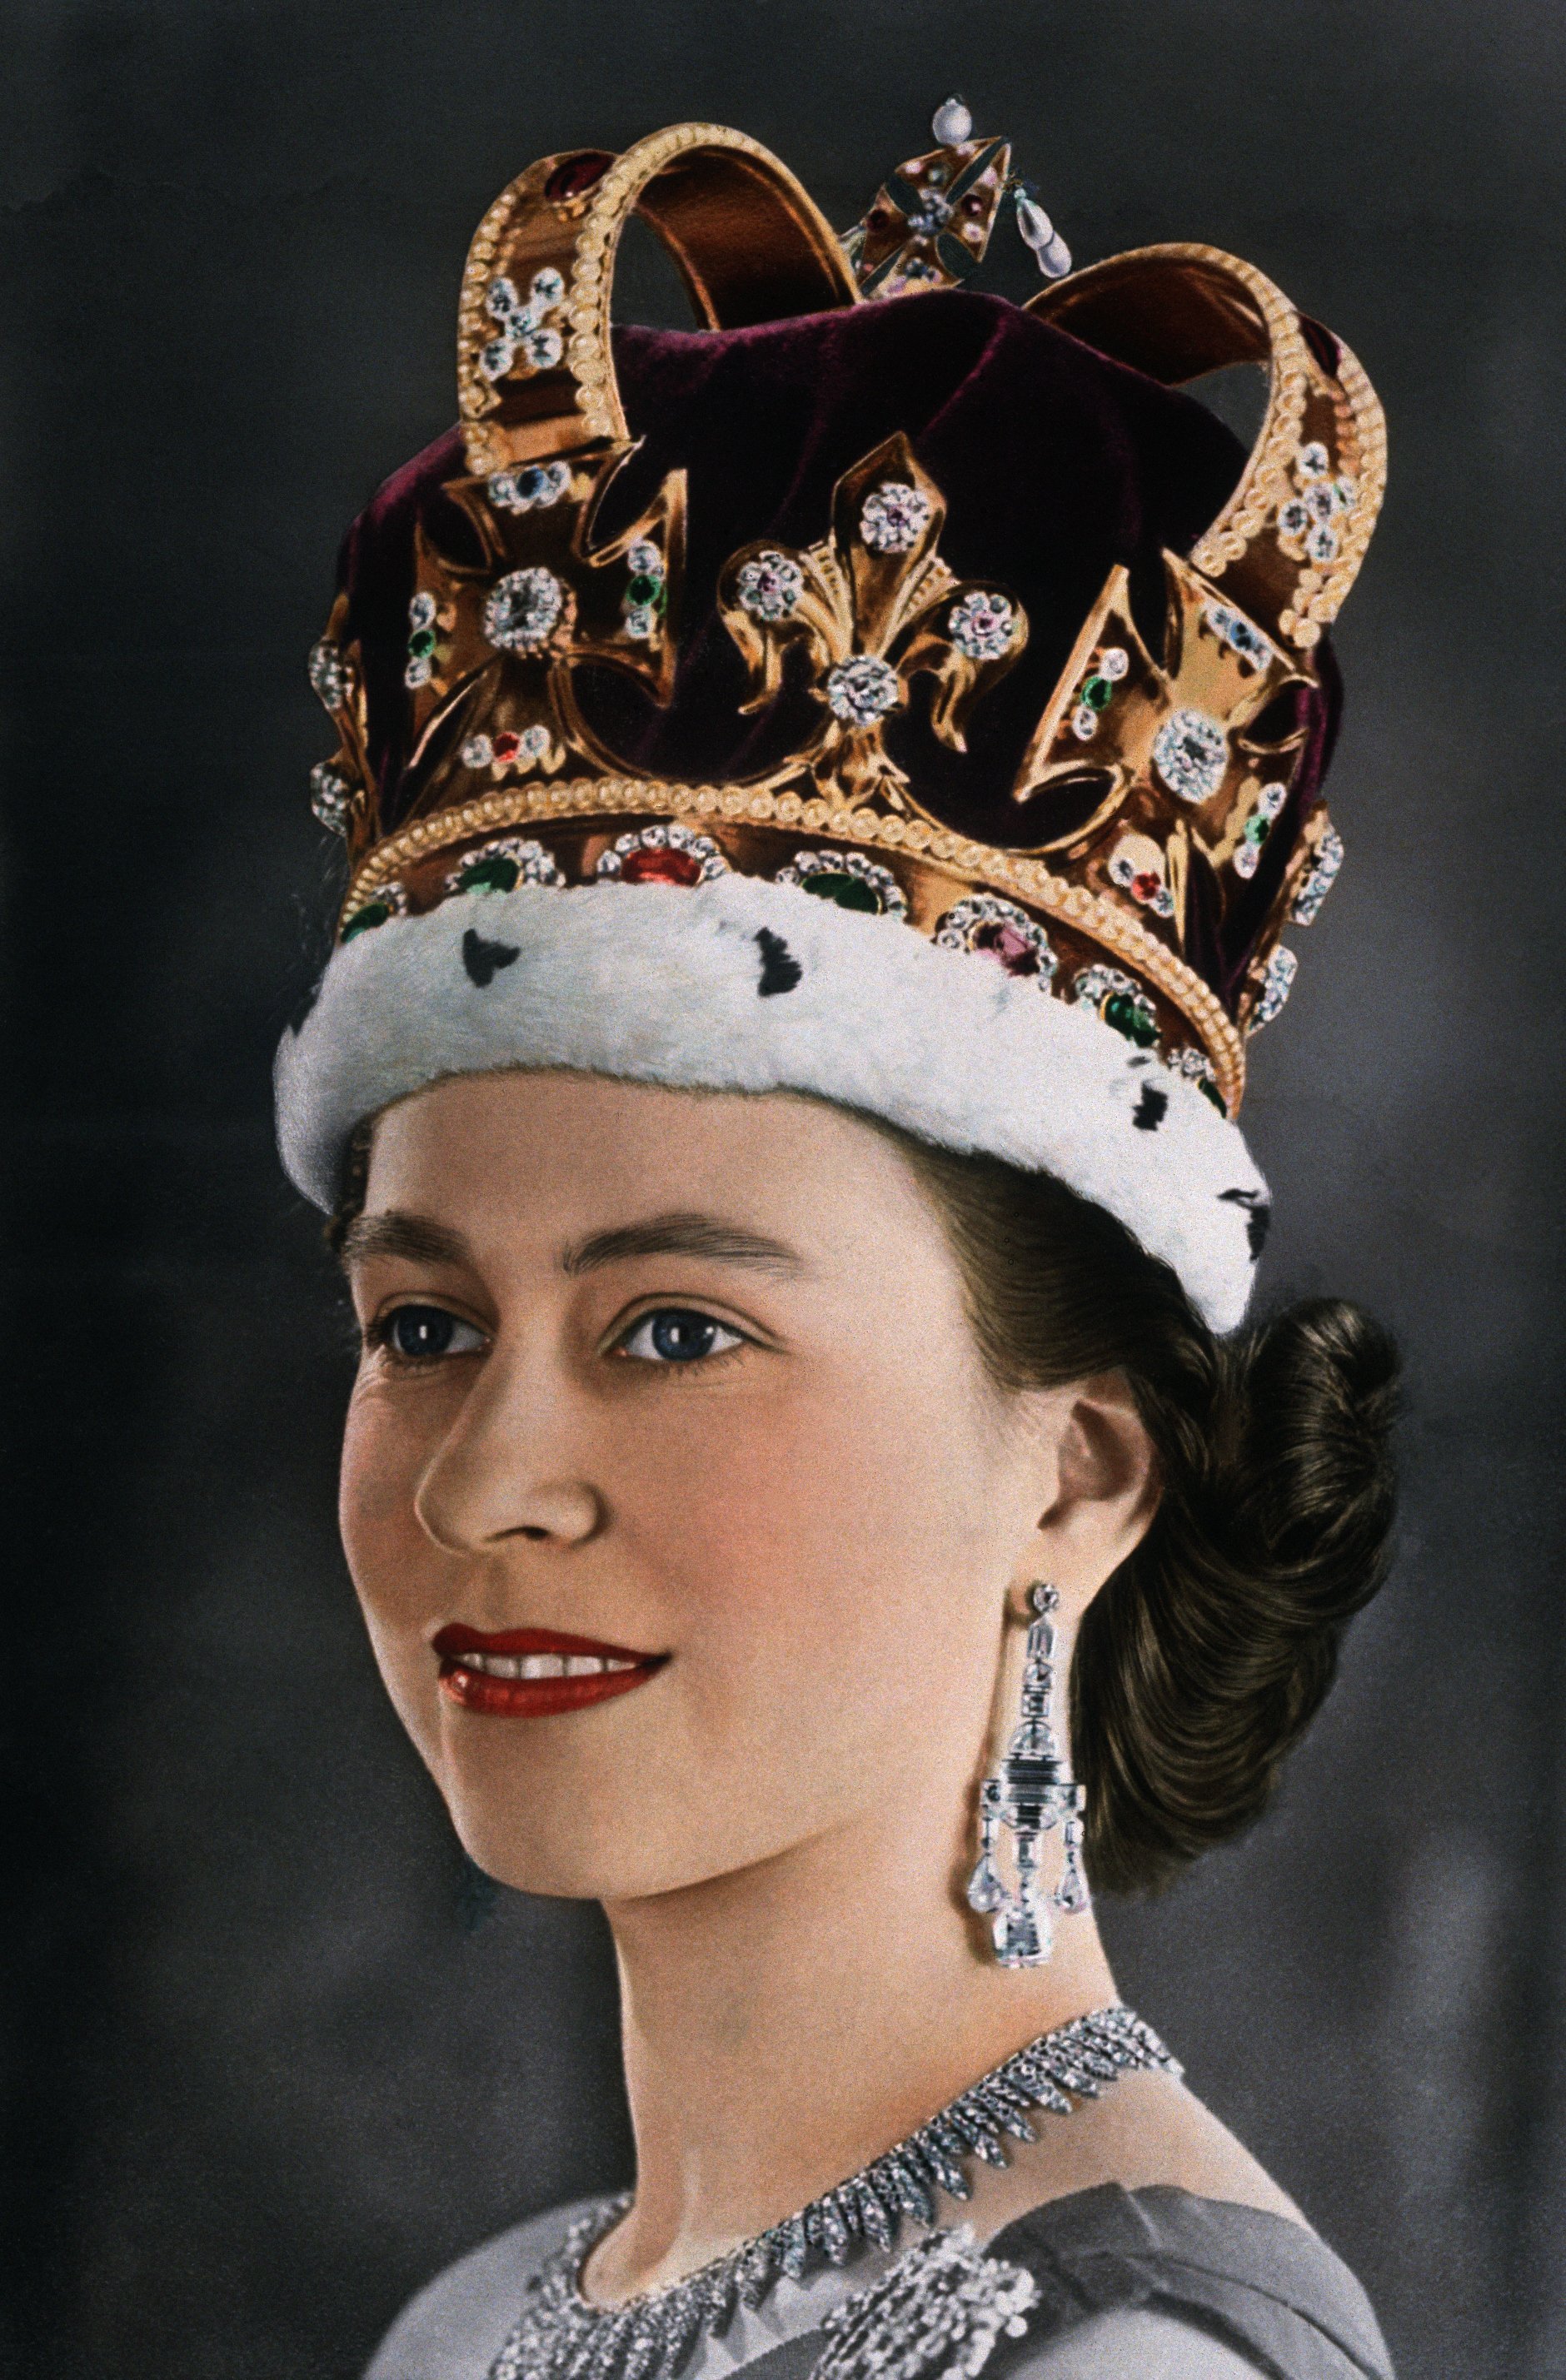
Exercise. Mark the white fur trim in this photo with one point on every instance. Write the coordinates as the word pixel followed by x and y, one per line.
pixel 661 984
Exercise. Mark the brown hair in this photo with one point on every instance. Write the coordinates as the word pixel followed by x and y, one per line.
pixel 1202 1661
pixel 1204 1658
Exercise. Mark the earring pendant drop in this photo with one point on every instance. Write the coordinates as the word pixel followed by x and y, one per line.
pixel 1031 1792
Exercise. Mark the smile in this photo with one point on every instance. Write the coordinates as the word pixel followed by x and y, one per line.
pixel 534 1672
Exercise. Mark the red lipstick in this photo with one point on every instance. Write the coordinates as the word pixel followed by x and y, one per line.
pixel 534 1672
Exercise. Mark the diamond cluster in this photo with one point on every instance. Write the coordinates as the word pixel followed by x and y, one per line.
pixel 521 327
pixel 651 2337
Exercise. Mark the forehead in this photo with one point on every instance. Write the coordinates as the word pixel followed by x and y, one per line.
pixel 536 1156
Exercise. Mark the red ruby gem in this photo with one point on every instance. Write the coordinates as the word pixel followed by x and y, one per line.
pixel 506 747
pixel 1147 886
pixel 1015 953
pixel 650 867
pixel 575 175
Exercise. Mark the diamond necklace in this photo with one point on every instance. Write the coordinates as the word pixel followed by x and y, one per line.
pixel 561 2337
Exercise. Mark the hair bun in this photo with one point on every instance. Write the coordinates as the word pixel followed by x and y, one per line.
pixel 1308 1404
pixel 1216 1642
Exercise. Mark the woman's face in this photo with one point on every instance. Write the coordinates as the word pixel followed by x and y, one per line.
pixel 686 1382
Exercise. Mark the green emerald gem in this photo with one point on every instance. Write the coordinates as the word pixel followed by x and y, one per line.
pixel 1130 1017
pixel 1210 1090
pixel 644 589
pixel 1257 829
pixel 421 642
pixel 849 891
pixel 374 913
pixel 496 873
pixel 1098 693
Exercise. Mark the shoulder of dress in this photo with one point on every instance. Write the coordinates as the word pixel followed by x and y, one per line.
pixel 455 2327
pixel 1104 2283
pixel 1145 2340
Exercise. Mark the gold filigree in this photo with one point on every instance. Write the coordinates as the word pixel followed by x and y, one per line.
pixel 544 598
pixel 1165 749
pixel 871 608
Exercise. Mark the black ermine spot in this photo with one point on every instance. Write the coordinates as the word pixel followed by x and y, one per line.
pixel 482 958
pixel 780 970
pixel 1258 1215
pixel 1151 1108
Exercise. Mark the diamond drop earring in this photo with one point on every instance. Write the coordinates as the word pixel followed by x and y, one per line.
pixel 1032 1792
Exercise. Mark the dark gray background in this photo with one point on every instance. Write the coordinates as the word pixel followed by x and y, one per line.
pixel 268 2070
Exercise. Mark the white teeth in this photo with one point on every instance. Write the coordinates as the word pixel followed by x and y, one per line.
pixel 534 1666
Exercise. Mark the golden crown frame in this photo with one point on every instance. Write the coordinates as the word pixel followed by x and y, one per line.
pixel 1170 745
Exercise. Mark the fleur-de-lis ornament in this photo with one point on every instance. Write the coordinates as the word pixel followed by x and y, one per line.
pixel 871 607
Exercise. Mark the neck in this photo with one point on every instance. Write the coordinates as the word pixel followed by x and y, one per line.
pixel 785 2024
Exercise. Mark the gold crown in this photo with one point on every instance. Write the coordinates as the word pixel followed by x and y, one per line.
pixel 1155 777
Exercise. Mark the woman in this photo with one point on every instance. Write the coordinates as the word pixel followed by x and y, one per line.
pixel 823 794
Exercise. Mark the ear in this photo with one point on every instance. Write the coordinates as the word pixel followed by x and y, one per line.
pixel 1106 1490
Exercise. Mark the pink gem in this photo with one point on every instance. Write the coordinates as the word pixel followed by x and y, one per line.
pixel 1147 886
pixel 506 747
pixel 1015 953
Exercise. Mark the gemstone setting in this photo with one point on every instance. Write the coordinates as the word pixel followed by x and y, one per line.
pixel 530 487
pixel 386 902
pixel 1120 1002
pixel 662 855
pixel 849 879
pixel 982 626
pixel 501 865
pixel 331 796
pixel 1257 827
pixel 1278 981
pixel 1136 864
pixel 331 673
pixel 1319 880
pixel 1190 754
pixel 523 610
pixel 894 518
pixel 1238 634
pixel 769 587
pixel 863 690
pixel 1001 932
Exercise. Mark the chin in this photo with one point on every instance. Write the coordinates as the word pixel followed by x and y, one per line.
pixel 599 1837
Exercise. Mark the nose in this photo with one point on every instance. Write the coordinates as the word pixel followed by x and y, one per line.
pixel 510 1467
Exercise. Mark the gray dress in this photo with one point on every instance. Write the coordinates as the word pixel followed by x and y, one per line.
pixel 1131 2285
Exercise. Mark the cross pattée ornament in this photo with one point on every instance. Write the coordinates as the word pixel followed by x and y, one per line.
pixel 544 599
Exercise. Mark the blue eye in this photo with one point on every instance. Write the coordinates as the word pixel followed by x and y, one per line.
pixel 418 1332
pixel 675 1334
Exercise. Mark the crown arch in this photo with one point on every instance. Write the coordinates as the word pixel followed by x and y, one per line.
pixel 748 240
pixel 1288 556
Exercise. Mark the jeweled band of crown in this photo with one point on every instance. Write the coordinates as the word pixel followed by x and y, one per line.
pixel 1158 771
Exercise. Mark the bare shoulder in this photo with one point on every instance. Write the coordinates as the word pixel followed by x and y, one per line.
pixel 456 2326
pixel 1149 2129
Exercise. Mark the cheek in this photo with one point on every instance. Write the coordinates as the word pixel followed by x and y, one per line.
pixel 390 1558
pixel 841 1570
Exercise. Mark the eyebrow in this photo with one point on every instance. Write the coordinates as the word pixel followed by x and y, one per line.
pixel 410 1236
pixel 419 1241
pixel 681 1235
